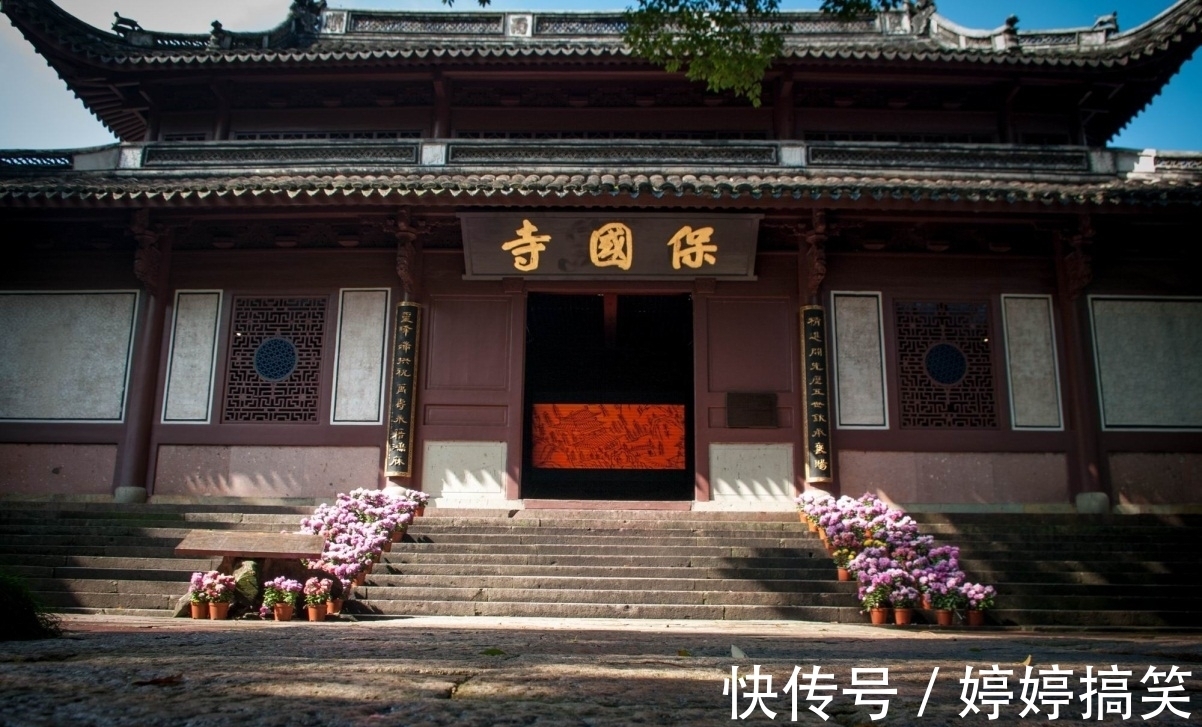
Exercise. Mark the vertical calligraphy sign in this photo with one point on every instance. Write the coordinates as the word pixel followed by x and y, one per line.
pixel 399 462
pixel 815 383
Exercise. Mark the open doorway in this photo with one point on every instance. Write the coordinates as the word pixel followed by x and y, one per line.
pixel 608 409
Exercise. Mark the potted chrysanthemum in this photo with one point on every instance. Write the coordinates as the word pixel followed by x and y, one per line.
pixel 197 599
pixel 219 590
pixel 977 599
pixel 280 597
pixel 317 594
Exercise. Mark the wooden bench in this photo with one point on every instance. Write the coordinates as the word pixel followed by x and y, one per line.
pixel 234 545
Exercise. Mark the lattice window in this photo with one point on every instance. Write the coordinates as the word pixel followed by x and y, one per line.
pixel 274 372
pixel 945 370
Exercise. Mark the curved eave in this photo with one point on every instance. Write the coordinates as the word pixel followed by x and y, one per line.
pixel 460 187
pixel 56 33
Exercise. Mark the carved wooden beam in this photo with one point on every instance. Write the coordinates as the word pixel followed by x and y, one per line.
pixel 149 257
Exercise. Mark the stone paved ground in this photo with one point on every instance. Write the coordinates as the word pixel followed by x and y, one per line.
pixel 488 671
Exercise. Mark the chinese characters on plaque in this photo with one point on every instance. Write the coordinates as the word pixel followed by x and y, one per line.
pixel 646 246
pixel 404 378
pixel 815 381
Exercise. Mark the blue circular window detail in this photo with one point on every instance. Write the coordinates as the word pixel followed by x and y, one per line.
pixel 946 364
pixel 275 359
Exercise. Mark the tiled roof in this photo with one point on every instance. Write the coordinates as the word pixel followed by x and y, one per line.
pixel 313 37
pixel 839 174
pixel 336 36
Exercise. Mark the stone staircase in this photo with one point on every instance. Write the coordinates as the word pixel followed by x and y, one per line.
pixel 118 559
pixel 1050 570
pixel 626 564
pixel 1099 571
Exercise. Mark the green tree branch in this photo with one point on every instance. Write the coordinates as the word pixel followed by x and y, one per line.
pixel 728 44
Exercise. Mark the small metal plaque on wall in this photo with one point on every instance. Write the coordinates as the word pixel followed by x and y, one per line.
pixel 751 411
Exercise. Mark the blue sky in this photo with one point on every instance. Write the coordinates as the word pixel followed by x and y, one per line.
pixel 48 116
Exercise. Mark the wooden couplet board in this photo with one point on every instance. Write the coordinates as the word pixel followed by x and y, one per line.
pixel 816 385
pixel 399 457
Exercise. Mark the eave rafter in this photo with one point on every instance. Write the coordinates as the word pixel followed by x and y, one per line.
pixel 367 42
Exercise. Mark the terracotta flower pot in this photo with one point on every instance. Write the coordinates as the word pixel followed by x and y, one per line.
pixel 903 616
pixel 843 574
pixel 219 611
pixel 879 616
pixel 317 613
pixel 976 618
pixel 926 601
pixel 813 526
pixel 199 610
pixel 421 510
pixel 283 611
pixel 943 616
pixel 334 606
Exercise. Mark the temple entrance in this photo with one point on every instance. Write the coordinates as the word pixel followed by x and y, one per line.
pixel 609 397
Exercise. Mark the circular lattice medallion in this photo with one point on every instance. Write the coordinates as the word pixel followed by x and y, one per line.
pixel 946 364
pixel 275 358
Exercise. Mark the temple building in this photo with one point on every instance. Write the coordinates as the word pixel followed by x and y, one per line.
pixel 498 258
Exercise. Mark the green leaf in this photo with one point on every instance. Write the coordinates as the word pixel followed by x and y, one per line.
pixel 728 44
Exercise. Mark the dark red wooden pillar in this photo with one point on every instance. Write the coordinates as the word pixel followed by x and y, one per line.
pixel 1087 467
pixel 133 476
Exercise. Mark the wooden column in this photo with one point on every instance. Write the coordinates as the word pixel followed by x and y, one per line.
pixel 133 473
pixel 442 108
pixel 782 108
pixel 399 457
pixel 1087 467
pixel 818 455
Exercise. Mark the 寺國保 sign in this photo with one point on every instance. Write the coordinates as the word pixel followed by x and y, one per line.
pixel 634 246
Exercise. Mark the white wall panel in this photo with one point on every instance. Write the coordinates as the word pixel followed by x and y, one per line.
pixel 1148 353
pixel 65 356
pixel 192 361
pixel 859 361
pixel 1031 362
pixel 359 372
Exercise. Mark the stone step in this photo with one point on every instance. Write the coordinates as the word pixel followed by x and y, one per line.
pixel 824 614
pixel 108 585
pixel 825 573
pixel 595 544
pixel 130 612
pixel 176 576
pixel 85 549
pixel 597 547
pixel 35 542
pixel 372 593
pixel 613 560
pixel 109 562
pixel 88 599
pixel 606 534
pixel 90 530
pixel 615 583
pixel 1119 619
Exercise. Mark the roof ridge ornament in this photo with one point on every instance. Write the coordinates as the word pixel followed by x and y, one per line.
pixel 124 26
pixel 920 13
pixel 219 37
pixel 1108 23
pixel 306 16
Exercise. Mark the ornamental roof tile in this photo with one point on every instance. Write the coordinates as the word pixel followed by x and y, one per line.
pixel 313 34
pixel 1174 181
